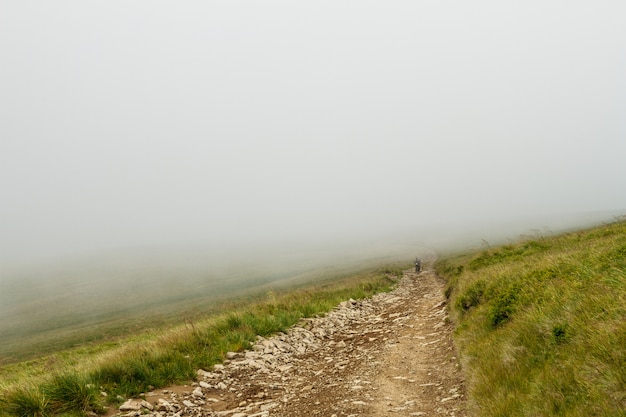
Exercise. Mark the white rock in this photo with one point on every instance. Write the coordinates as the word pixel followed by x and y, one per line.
pixel 261 414
pixel 163 405
pixel 198 393
pixel 269 406
pixel 188 403
pixel 130 405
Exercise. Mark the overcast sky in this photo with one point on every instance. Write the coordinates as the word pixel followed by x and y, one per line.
pixel 132 123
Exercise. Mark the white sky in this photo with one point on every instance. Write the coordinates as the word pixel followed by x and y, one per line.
pixel 130 123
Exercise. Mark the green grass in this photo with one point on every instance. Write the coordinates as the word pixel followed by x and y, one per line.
pixel 139 364
pixel 25 401
pixel 541 324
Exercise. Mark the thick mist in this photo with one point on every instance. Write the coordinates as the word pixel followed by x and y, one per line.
pixel 130 126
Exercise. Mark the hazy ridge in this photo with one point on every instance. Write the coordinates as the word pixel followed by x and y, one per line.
pixel 47 308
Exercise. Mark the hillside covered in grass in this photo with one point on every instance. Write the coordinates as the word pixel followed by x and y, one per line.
pixel 541 324
pixel 51 307
pixel 71 382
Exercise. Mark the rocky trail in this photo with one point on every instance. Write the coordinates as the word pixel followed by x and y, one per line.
pixel 389 355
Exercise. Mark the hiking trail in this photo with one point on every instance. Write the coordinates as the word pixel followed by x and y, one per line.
pixel 392 354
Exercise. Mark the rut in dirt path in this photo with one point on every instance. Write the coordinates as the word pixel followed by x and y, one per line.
pixel 420 373
pixel 389 355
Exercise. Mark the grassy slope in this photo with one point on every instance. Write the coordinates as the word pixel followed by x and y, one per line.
pixel 55 308
pixel 130 366
pixel 541 324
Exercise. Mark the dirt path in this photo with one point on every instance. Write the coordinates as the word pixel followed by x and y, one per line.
pixel 390 355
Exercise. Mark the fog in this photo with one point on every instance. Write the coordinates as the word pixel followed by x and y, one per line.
pixel 149 125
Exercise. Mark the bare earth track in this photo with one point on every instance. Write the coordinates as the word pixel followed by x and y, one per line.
pixel 389 355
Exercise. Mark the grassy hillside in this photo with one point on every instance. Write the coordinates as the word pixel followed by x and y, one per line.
pixel 49 308
pixel 541 324
pixel 65 382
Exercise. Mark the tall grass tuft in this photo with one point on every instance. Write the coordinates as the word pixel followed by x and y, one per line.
pixel 541 324
pixel 26 401
pixel 72 391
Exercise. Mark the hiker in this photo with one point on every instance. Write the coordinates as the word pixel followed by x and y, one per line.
pixel 418 265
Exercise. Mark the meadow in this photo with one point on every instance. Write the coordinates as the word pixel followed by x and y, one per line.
pixel 54 307
pixel 541 323
pixel 165 340
pixel 540 326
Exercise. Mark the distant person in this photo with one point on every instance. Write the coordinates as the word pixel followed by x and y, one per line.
pixel 418 264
